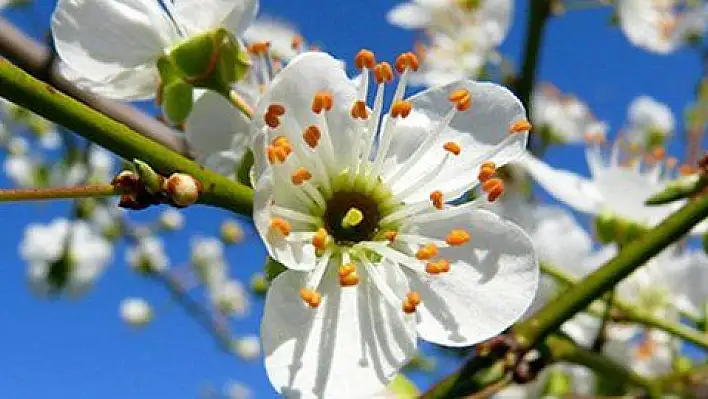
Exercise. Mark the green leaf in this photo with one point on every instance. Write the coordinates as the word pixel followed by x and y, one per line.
pixel 273 268
pixel 177 101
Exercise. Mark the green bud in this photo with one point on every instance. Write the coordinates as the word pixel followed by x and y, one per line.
pixel 558 383
pixel 605 228
pixel 177 101
pixel 402 388
pixel 150 178
pixel 273 268
pixel 259 284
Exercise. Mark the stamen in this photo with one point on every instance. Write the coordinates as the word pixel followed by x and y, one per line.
pixel 273 114
pixel 364 59
pixel 401 109
pixel 259 48
pixel 301 175
pixel 322 100
pixel 390 235
pixel 311 297
pixel 494 188
pixel 312 136
pixel 276 154
pixel 461 98
pixel 348 276
pixel 296 42
pixel 359 110
pixel 281 225
pixel 452 147
pixel 352 218
pixel 436 197
pixel 457 237
pixel 383 72
pixel 441 266
pixel 521 126
pixel 486 171
pixel 429 251
pixel 320 239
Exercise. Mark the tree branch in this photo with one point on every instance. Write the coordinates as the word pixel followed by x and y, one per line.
pixel 38 61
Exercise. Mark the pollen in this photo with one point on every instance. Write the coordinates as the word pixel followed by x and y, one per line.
pixel 441 266
pixel 260 47
pixel 281 225
pixel 273 114
pixel 364 59
pixel 452 147
pixel 383 72
pixel 427 252
pixel 457 237
pixel 348 276
pixel 461 98
pixel 658 153
pixel 322 100
pixel 411 302
pixel 276 154
pixel 320 239
pixel 486 171
pixel 494 188
pixel 300 176
pixel 390 235
pixel 436 197
pixel 520 126
pixel 312 136
pixel 401 109
pixel 359 110
pixel 311 297
pixel 406 61
pixel 296 42
pixel 283 143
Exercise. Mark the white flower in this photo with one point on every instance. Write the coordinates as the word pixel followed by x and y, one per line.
pixel 64 255
pixel 111 46
pixel 237 390
pixel 148 255
pixel 284 41
pixel 229 296
pixel 135 312
pixel 172 219
pixel 649 122
pixel 21 169
pixel 355 207
pixel 207 251
pixel 248 347
pixel 661 26
pixel 567 119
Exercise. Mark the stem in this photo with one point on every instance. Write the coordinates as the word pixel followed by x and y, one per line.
pixel 49 193
pixel 237 101
pixel 539 11
pixel 41 98
pixel 38 60
pixel 563 349
pixel 554 314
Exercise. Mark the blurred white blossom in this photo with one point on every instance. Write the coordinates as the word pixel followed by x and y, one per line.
pixel 148 255
pixel 135 312
pixel 248 347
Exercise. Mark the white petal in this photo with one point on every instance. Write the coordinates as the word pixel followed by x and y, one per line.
pixel 279 34
pixel 492 280
pixel 214 126
pixel 351 346
pixel 576 191
pixel 479 131
pixel 409 16
pixel 295 86
pixel 99 38
pixel 625 191
pixel 203 15
pixel 129 84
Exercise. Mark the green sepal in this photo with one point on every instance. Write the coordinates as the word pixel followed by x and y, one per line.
pixel 272 269
pixel 177 101
pixel 243 173
pixel 680 189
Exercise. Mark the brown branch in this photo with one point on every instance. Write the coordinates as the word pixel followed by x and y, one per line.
pixel 37 60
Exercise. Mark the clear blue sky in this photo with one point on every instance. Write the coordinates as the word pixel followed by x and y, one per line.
pixel 80 349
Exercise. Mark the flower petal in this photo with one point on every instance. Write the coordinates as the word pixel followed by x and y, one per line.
pixel 576 191
pixel 202 15
pixel 350 346
pixel 482 132
pixel 128 85
pixel 409 16
pixel 100 38
pixel 214 126
pixel 492 279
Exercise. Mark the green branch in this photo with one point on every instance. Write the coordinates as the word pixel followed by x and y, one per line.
pixel 539 11
pixel 41 98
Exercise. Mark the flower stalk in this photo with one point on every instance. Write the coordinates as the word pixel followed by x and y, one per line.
pixel 41 98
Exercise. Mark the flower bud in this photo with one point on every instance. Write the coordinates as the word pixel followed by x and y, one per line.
pixel 182 189
pixel 259 284
pixel 171 220
pixel 248 347
pixel 231 232
pixel 135 312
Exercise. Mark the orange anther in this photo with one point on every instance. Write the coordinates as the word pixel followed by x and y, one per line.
pixel 364 59
pixel 414 298
pixel 311 297
pixel 312 136
pixel 401 108
pixel 259 47
pixel 658 153
pixel 296 42
pixel 348 276
pixel 408 307
pixel 346 269
pixel 461 98
pixel 276 154
pixel 359 110
pixel 281 225
pixel 390 235
pixel 671 162
pixel 452 147
pixel 271 120
pixel 436 197
pixel 322 100
pixel 276 109
pixel 486 171
pixel 426 252
pixel 300 176
pixel 520 126
pixel 405 61
pixel 686 169
pixel 320 239
pixel 441 266
pixel 383 72
pixel 283 143
pixel 457 237
pixel 494 188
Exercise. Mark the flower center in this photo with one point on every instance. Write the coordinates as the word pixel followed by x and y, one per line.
pixel 351 217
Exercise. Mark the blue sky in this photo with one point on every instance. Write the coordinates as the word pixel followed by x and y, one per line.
pixel 80 349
